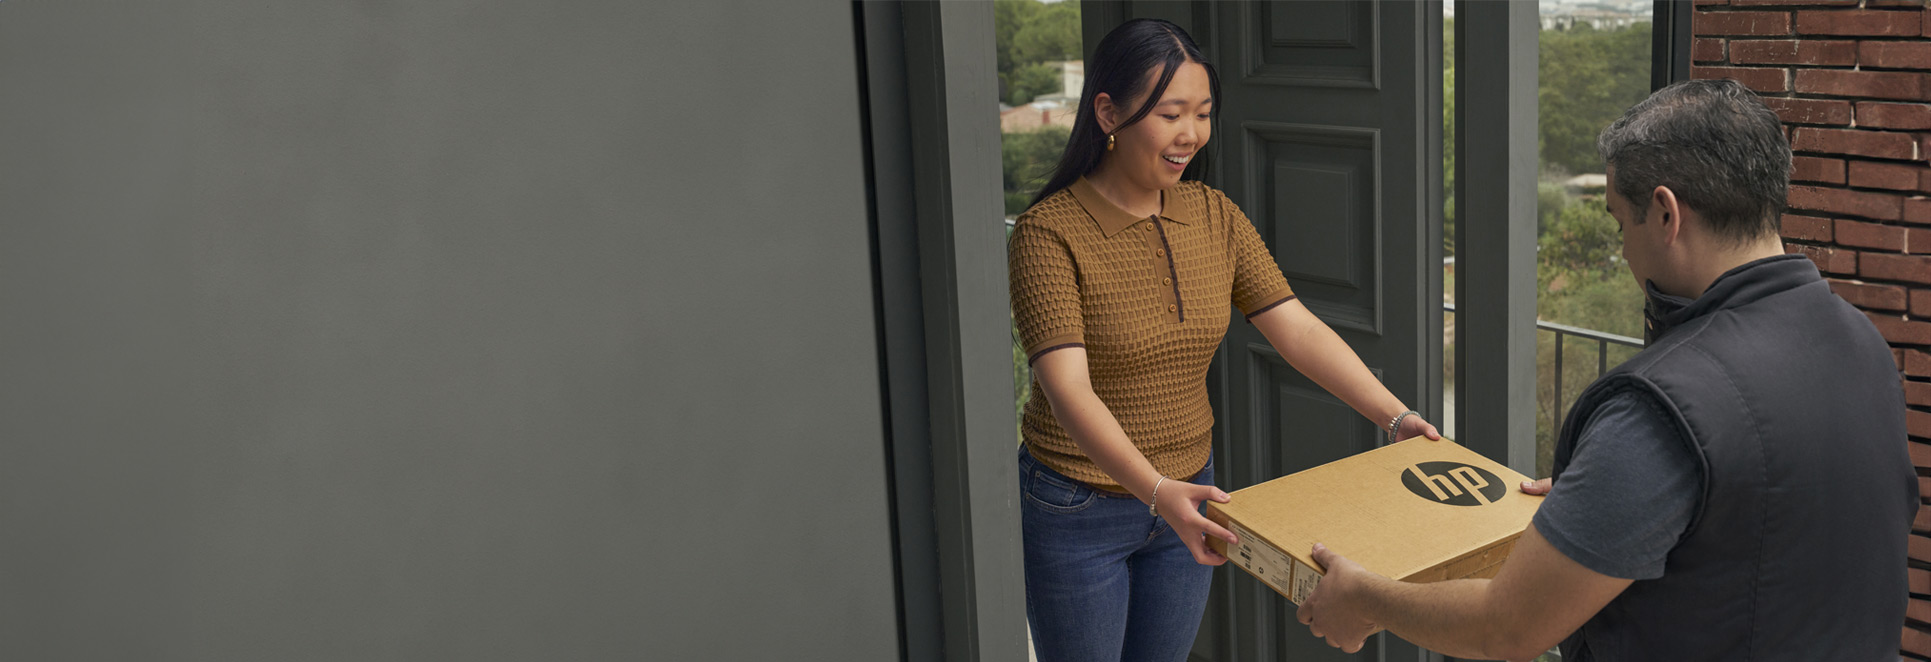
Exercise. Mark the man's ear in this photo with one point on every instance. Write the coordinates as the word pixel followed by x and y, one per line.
pixel 1103 111
pixel 1663 208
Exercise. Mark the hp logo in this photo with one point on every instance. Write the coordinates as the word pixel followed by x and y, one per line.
pixel 1453 483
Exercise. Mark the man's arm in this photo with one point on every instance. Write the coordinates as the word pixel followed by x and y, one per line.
pixel 1538 598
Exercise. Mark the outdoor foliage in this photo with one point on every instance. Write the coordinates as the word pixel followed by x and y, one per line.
pixel 1587 78
pixel 1027 34
pixel 1026 159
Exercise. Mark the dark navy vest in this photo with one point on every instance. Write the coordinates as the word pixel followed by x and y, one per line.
pixel 1791 402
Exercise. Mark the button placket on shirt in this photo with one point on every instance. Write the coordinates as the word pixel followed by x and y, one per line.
pixel 1163 265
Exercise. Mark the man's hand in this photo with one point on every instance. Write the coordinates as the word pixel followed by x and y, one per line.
pixel 1336 610
pixel 1538 487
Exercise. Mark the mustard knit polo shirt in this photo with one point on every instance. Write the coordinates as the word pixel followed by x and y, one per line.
pixel 1148 298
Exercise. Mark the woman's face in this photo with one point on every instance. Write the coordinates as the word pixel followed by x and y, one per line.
pixel 1155 150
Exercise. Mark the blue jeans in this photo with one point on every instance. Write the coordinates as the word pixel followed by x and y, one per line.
pixel 1105 581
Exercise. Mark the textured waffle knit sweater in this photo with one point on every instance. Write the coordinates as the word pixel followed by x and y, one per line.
pixel 1148 298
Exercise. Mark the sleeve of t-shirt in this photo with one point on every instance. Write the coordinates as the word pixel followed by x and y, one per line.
pixel 1045 291
pixel 1629 491
pixel 1258 283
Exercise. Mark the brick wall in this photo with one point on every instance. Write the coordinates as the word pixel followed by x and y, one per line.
pixel 1851 80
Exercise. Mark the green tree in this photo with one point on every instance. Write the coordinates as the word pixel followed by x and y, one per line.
pixel 1588 78
pixel 1027 34
pixel 1008 17
pixel 1052 34
pixel 1032 80
pixel 1448 137
pixel 1026 159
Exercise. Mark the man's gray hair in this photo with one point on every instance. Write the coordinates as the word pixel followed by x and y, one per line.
pixel 1715 145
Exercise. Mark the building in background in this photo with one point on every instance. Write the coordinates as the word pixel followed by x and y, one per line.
pixel 1056 109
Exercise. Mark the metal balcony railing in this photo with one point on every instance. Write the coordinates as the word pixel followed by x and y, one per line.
pixel 1562 331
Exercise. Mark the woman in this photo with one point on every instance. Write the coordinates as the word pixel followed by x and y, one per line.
pixel 1122 275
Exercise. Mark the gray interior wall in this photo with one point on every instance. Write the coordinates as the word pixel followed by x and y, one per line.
pixel 433 331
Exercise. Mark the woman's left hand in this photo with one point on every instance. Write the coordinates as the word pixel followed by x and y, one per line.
pixel 1414 426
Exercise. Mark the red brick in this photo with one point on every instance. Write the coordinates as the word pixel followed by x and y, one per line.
pixel 1924 177
pixel 1873 297
pixel 1869 23
pixel 1793 3
pixel 1806 228
pixel 1869 235
pixel 1829 260
pixel 1706 50
pixel 1917 393
pixel 1917 364
pixel 1896 176
pixel 1814 169
pixel 1761 80
pixel 1901 85
pixel 1895 3
pixel 1881 206
pixel 1924 23
pixel 1917 240
pixel 1921 306
pixel 1918 423
pixel 1899 331
pixel 1850 141
pixel 1894 54
pixel 1747 23
pixel 1917 210
pixel 1884 266
pixel 1873 115
pixel 1787 51
pixel 1811 111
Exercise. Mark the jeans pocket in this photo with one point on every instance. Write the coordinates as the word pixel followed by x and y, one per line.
pixel 1053 493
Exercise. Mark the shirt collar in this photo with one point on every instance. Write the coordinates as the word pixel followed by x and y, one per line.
pixel 1112 219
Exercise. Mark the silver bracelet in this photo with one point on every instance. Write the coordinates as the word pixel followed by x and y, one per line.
pixel 1394 426
pixel 1153 504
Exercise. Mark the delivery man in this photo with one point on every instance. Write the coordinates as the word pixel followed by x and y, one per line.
pixel 1739 490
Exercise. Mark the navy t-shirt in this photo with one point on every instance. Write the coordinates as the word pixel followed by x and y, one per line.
pixel 1628 493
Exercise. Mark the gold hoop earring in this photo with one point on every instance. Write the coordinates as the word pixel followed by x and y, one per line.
pixel 1109 142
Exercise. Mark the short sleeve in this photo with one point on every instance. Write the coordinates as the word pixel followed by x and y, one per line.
pixel 1628 494
pixel 1045 291
pixel 1258 283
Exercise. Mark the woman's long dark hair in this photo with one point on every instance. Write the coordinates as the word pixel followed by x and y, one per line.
pixel 1119 68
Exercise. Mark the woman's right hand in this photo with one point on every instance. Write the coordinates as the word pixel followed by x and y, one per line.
pixel 1178 502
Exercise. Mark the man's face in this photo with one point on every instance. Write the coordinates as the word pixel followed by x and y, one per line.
pixel 1641 242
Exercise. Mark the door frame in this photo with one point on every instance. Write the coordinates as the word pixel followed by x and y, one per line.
pixel 941 303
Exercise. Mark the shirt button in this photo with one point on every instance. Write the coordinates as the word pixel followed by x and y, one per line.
pixel 1166 281
pixel 1171 308
pixel 1149 227
pixel 1160 252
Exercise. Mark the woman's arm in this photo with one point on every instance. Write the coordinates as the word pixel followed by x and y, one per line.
pixel 1064 378
pixel 1314 349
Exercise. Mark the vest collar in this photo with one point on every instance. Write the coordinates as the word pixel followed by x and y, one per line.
pixel 1748 282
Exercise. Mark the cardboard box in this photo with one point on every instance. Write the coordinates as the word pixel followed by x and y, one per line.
pixel 1417 511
